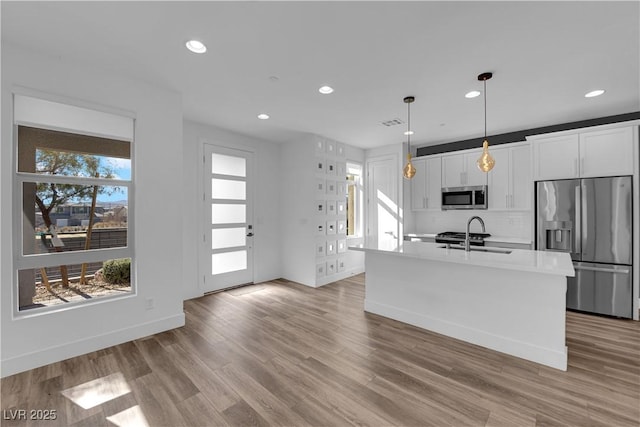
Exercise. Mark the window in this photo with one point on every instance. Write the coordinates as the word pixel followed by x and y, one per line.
pixel 354 200
pixel 72 228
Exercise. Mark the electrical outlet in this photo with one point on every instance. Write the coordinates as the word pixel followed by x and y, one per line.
pixel 150 303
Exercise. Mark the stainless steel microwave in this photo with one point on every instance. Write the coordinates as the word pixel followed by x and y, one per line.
pixel 472 197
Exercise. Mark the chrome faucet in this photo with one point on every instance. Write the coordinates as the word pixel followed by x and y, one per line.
pixel 467 244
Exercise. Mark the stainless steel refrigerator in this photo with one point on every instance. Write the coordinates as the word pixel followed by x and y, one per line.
pixel 592 220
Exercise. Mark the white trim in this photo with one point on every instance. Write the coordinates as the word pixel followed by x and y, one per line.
pixel 37 112
pixel 63 99
pixel 546 356
pixel 67 350
pixel 70 258
pixel 71 305
pixel 63 179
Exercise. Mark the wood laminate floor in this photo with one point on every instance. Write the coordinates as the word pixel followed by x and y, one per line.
pixel 279 353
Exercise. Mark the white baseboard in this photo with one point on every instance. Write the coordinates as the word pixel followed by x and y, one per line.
pixel 64 351
pixel 545 356
pixel 321 281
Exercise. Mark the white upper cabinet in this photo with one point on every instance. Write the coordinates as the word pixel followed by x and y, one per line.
pixel 473 175
pixel 607 152
pixel 453 167
pixel 521 182
pixel 499 191
pixel 510 183
pixel 459 170
pixel 419 185
pixel 556 157
pixel 426 184
pixel 434 183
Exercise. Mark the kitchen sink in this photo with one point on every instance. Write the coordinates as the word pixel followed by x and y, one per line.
pixel 479 249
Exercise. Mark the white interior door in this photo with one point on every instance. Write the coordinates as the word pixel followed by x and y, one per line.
pixel 228 218
pixel 384 212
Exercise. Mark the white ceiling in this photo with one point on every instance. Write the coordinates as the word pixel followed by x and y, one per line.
pixel 544 55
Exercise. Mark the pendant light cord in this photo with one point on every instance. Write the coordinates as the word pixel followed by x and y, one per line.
pixel 485 109
pixel 409 128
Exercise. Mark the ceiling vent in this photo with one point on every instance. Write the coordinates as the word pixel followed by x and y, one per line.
pixel 392 122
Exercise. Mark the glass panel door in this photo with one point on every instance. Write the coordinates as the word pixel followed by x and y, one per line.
pixel 228 236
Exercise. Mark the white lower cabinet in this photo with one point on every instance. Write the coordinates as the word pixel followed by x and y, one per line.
pixel 426 185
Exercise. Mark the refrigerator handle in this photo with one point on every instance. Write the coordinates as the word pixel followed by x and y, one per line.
pixel 577 227
pixel 603 270
pixel 584 217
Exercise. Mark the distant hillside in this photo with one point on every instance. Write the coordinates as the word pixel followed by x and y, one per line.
pixel 112 203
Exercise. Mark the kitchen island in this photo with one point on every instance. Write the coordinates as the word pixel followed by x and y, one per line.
pixel 510 302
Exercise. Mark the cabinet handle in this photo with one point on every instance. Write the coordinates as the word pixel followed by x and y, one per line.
pixel 426 202
pixel 582 165
pixel 575 167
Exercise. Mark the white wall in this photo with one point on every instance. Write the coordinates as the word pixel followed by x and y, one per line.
pixel 36 340
pixel 299 219
pixel 267 207
pixel 297 197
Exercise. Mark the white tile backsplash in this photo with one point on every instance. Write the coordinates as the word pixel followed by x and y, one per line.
pixel 503 224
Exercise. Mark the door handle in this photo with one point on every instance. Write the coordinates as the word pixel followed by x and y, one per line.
pixel 250 234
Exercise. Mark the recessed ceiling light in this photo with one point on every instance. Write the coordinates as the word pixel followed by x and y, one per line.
pixel 594 93
pixel 409 132
pixel 196 46
pixel 263 116
pixel 325 90
pixel 472 94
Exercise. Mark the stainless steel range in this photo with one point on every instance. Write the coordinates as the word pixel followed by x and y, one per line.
pixel 457 238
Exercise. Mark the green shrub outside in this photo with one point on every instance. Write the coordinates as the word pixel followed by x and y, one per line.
pixel 117 270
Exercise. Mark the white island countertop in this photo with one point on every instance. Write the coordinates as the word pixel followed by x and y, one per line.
pixel 556 263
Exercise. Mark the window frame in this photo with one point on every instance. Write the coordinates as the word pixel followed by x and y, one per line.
pixel 22 261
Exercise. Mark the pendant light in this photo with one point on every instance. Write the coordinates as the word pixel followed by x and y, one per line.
pixel 486 161
pixel 409 170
